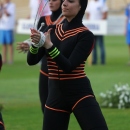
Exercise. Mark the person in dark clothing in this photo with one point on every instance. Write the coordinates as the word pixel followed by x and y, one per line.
pixel 54 18
pixel 1 122
pixel 55 6
pixel 0 62
pixel 67 46
pixel 1 119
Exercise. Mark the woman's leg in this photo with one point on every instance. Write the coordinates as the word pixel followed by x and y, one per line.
pixel 55 120
pixel 43 90
pixel 89 115
pixel 102 49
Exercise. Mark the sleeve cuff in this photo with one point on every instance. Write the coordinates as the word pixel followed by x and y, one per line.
pixel 53 52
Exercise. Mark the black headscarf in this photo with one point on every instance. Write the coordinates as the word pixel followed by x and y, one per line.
pixel 81 13
pixel 77 20
pixel 56 13
pixel 54 16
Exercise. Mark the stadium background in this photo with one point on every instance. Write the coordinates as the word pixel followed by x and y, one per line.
pixel 115 7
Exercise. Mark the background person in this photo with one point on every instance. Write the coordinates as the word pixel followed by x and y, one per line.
pixel 97 10
pixel 127 28
pixel 55 7
pixel 2 127
pixel 1 122
pixel 7 25
pixel 1 119
pixel 0 62
pixel 34 5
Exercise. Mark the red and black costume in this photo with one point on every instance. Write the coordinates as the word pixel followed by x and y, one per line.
pixel 69 87
pixel 43 76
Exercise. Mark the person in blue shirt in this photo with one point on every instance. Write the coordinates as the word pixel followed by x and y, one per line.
pixel 127 14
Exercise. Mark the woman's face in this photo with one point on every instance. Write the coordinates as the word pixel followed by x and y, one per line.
pixel 54 5
pixel 70 8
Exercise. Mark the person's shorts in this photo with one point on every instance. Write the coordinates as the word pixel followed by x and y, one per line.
pixel 6 37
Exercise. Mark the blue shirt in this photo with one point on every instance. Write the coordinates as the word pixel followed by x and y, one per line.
pixel 127 13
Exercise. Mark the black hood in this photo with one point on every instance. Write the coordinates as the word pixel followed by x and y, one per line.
pixel 77 20
pixel 81 13
pixel 56 13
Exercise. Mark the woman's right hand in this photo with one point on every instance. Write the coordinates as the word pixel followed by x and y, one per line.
pixel 35 36
pixel 22 47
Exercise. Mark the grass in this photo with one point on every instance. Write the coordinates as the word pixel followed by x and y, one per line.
pixel 19 88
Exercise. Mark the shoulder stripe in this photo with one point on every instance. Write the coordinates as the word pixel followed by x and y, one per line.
pixel 61 35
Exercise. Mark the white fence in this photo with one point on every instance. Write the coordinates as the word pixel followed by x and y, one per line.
pixel 115 25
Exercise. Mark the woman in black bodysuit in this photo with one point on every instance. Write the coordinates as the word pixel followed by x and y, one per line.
pixel 67 47
pixel 54 18
pixel 55 7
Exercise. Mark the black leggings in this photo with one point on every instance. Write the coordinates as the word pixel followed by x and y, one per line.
pixel 87 113
pixel 43 90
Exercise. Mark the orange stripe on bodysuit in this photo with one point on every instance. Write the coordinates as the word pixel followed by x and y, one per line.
pixel 49 22
pixel 72 77
pixel 56 109
pixel 68 33
pixel 44 73
pixel 81 100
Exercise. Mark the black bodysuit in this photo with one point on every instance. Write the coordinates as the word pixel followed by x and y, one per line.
pixel 43 76
pixel 69 87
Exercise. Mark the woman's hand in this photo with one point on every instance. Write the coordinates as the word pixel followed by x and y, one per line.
pixel 48 44
pixel 35 36
pixel 22 47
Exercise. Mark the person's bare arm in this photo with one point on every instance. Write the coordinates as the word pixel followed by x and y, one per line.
pixel 1 9
pixel 105 14
pixel 6 12
pixel 0 14
pixel 87 15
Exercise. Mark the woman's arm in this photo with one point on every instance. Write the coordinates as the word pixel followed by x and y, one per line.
pixel 79 54
pixel 35 55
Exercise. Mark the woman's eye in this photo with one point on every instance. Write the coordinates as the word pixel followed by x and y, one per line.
pixel 71 1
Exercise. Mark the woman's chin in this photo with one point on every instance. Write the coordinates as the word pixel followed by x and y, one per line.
pixel 65 14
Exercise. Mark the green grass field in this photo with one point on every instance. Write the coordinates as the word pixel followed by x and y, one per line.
pixel 19 88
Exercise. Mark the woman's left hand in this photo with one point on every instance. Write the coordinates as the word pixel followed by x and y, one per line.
pixel 48 44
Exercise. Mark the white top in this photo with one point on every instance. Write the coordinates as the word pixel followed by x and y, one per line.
pixel 34 5
pixel 8 22
pixel 96 9
pixel 47 10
